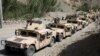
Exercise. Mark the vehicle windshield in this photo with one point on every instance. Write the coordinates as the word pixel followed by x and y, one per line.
pixel 68 21
pixel 52 25
pixel 28 33
pixel 60 26
pixel 82 18
pixel 75 22
pixel 67 29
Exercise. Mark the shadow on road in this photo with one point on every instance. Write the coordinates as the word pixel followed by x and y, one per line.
pixel 86 47
pixel 14 53
pixel 4 53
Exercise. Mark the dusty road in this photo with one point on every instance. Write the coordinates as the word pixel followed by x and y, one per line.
pixel 8 31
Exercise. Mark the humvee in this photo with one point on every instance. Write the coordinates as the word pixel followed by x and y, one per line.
pixel 29 41
pixel 77 25
pixel 68 17
pixel 61 31
pixel 57 32
pixel 71 20
pixel 64 28
pixel 83 21
pixel 90 17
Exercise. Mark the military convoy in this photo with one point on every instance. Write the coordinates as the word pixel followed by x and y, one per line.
pixel 34 36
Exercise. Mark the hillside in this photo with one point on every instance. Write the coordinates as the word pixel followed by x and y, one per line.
pixel 65 7
pixel 62 5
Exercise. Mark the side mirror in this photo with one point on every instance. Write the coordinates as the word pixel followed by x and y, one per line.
pixel 17 32
pixel 48 27
pixel 42 37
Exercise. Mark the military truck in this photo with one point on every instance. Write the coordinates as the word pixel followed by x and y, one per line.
pixel 61 31
pixel 76 25
pixel 57 32
pixel 29 41
pixel 84 22
pixel 60 26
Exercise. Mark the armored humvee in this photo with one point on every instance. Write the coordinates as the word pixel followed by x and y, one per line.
pixel 29 41
pixel 61 29
pixel 77 25
pixel 58 33
pixel 91 17
pixel 83 21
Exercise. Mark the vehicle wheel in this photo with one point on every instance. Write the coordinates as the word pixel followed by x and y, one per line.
pixel 72 32
pixel 83 26
pixel 60 38
pixel 52 42
pixel 30 51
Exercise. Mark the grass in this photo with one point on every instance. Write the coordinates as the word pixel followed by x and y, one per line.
pixel 12 9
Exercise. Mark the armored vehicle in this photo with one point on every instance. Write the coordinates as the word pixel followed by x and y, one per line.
pixel 77 25
pixel 61 31
pixel 29 41
pixel 57 32
pixel 83 21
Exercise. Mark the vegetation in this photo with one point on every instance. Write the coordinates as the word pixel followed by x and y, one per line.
pixel 12 9
pixel 96 7
pixel 86 5
pixel 83 7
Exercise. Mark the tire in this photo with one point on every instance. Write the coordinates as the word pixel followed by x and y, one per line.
pixel 72 32
pixel 83 26
pixel 60 38
pixel 30 51
pixel 52 42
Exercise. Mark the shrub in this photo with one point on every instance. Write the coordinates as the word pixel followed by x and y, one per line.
pixel 83 7
pixel 37 8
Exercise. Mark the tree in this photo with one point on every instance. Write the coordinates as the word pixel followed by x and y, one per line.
pixel 83 7
pixel 37 8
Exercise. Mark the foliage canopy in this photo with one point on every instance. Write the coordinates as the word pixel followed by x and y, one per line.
pixel 37 8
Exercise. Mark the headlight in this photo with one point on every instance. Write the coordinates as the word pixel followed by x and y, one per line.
pixel 24 45
pixel 13 44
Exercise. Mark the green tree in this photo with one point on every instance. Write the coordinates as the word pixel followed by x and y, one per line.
pixel 37 8
pixel 83 7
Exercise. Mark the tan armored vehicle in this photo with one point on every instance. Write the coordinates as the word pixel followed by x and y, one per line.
pixel 29 41
pixel 71 20
pixel 76 25
pixel 83 21
pixel 91 16
pixel 60 29
pixel 57 32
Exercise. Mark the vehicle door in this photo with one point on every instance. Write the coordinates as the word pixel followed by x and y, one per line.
pixel 68 31
pixel 42 40
pixel 62 28
pixel 48 38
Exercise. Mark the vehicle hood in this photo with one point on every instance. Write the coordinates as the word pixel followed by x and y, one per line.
pixel 68 24
pixel 58 30
pixel 22 40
